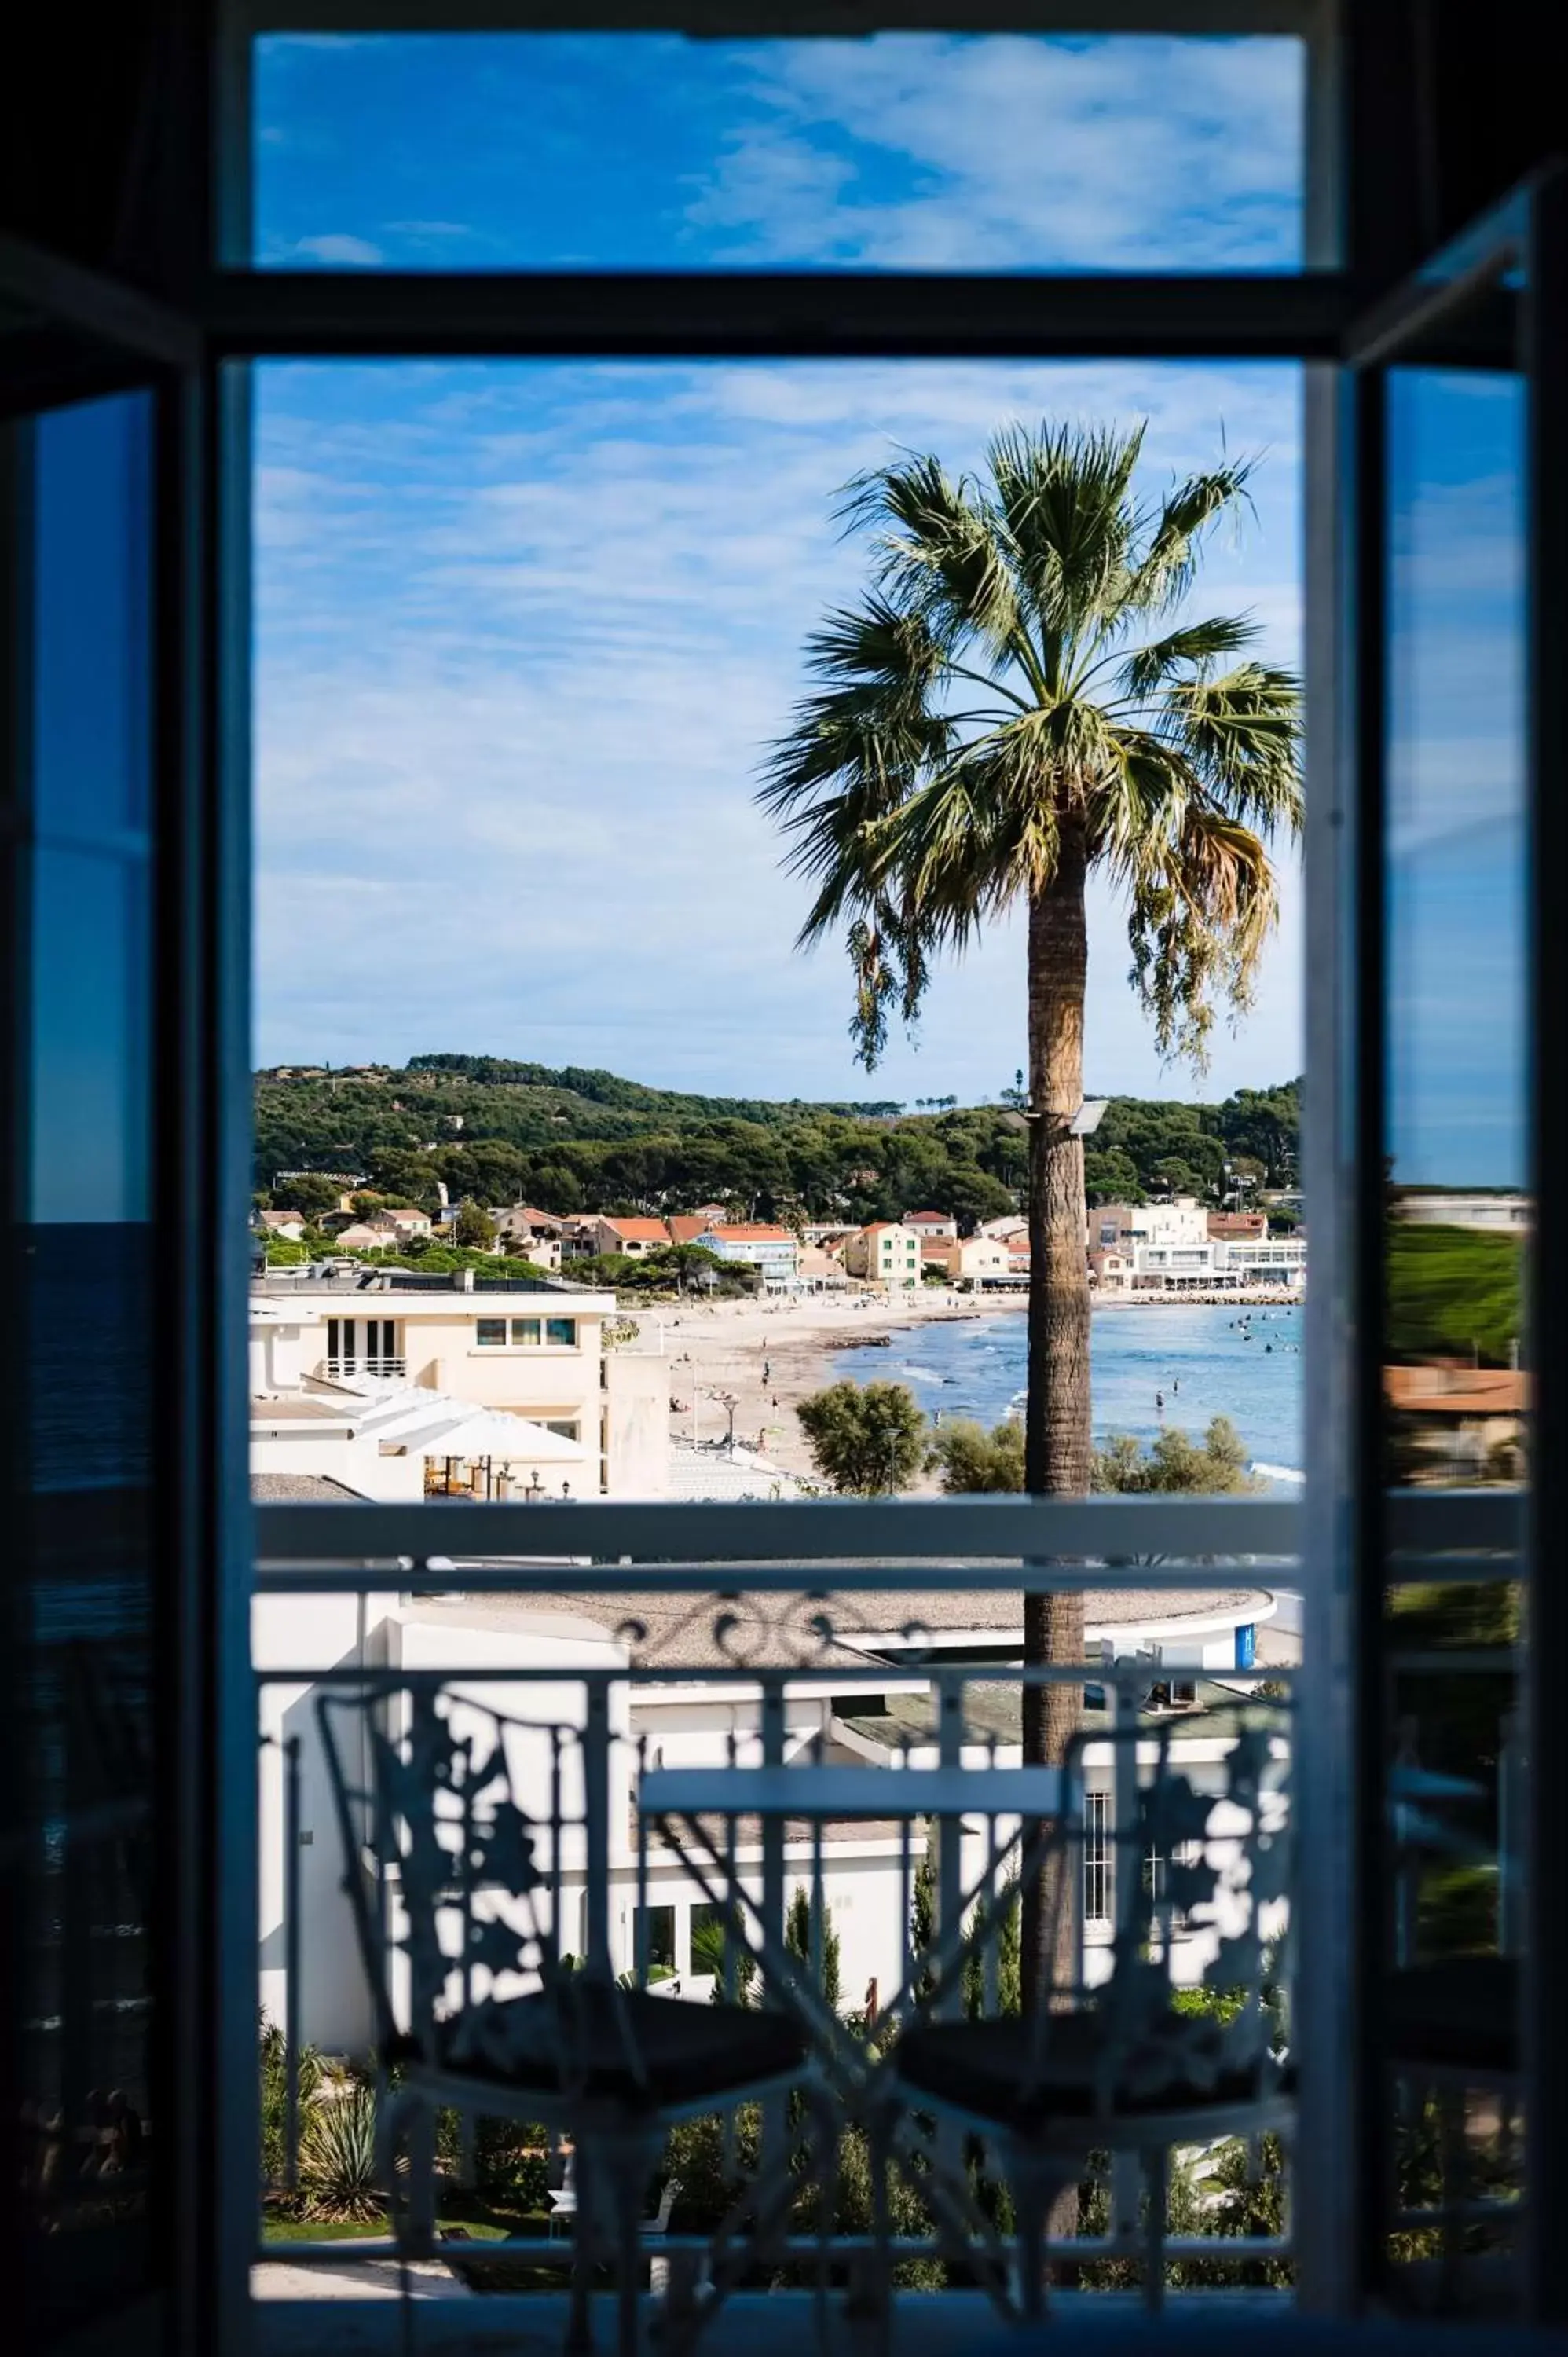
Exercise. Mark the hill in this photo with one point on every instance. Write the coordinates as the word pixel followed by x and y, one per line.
pixel 575 1139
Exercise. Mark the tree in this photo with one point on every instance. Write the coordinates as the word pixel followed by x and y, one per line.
pixel 473 1228
pixel 797 1932
pixel 307 1193
pixel 1176 1465
pixel 974 1461
pixel 866 1439
pixel 1014 702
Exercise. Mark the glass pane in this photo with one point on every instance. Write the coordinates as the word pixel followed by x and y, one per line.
pixel 1457 923
pixel 906 151
pixel 90 1021
pixel 1456 1386
pixel 82 1324
pixel 91 617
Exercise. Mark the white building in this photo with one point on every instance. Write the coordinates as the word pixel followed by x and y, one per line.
pixel 675 1719
pixel 534 1350
pixel 1489 1213
pixel 934 1226
pixel 1272 1261
pixel 772 1251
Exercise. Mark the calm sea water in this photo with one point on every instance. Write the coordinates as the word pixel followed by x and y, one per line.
pixel 1205 1362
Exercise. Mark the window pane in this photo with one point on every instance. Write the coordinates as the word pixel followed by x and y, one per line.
pixel 1456 1382
pixel 1458 929
pixel 563 1331
pixel 92 618
pixel 525 1330
pixel 91 1025
pixel 490 1332
pixel 79 1314
pixel 906 151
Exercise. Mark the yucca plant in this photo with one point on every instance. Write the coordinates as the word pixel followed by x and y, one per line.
pixel 1020 700
pixel 274 2096
pixel 339 2176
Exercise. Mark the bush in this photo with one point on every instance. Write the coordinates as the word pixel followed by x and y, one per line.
pixel 274 2097
pixel 337 2173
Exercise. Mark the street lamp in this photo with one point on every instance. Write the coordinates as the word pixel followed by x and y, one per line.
pixel 1084 1123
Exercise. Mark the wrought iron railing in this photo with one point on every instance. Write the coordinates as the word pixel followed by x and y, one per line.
pixel 730 1777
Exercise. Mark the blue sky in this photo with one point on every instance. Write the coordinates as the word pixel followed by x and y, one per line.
pixel 524 631
pixel 1459 920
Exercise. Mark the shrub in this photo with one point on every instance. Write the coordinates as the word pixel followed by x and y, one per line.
pixel 338 2172
pixel 274 2096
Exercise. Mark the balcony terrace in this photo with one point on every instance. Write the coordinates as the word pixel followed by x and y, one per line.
pixel 693 1709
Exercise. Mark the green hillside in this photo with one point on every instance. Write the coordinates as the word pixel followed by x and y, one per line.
pixel 575 1139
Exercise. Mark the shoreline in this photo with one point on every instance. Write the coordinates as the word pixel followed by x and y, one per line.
pixel 766 1356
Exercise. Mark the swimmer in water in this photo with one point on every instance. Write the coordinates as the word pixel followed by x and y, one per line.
pixel 1160 1403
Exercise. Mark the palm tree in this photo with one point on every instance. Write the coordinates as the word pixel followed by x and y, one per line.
pixel 1017 700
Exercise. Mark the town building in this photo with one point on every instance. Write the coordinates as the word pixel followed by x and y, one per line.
pixel 772 1251
pixel 1238 1227
pixel 932 1225
pixel 536 1350
pixel 633 1239
pixel 287 1226
pixel 886 1253
pixel 971 1261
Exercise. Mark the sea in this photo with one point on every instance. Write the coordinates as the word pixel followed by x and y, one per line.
pixel 1150 1369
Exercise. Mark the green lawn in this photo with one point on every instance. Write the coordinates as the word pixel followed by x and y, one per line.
pixel 481 2222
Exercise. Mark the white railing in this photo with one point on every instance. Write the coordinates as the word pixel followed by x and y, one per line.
pixel 361 1363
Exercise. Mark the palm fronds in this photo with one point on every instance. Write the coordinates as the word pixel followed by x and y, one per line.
pixel 988 694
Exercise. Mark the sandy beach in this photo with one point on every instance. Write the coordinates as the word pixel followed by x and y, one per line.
pixel 761 1358
pixel 765 1357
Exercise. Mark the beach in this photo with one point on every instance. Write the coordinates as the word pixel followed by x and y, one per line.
pixel 764 1357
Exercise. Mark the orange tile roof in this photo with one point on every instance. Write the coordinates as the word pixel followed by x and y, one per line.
pixel 685 1227
pixel 640 1231
pixel 1458 1390
pixel 754 1233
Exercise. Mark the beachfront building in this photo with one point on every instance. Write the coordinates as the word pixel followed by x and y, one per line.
pixel 772 1252
pixel 1272 1261
pixel 887 1253
pixel 531 1348
pixel 818 1270
pixel 1489 1211
pixel 933 1227
pixel 971 1262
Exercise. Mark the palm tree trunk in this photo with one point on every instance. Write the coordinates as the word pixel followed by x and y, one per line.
pixel 1056 1431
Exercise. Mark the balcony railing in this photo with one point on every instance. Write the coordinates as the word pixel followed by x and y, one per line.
pixel 361 1363
pixel 680 1758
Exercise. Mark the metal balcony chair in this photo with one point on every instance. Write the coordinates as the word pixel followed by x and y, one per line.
pixel 1119 2066
pixel 480 2010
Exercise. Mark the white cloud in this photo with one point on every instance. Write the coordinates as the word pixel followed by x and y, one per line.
pixel 523 634
pixel 338 250
pixel 1017 153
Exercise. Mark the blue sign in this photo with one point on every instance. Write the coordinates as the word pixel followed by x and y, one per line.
pixel 1246 1644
